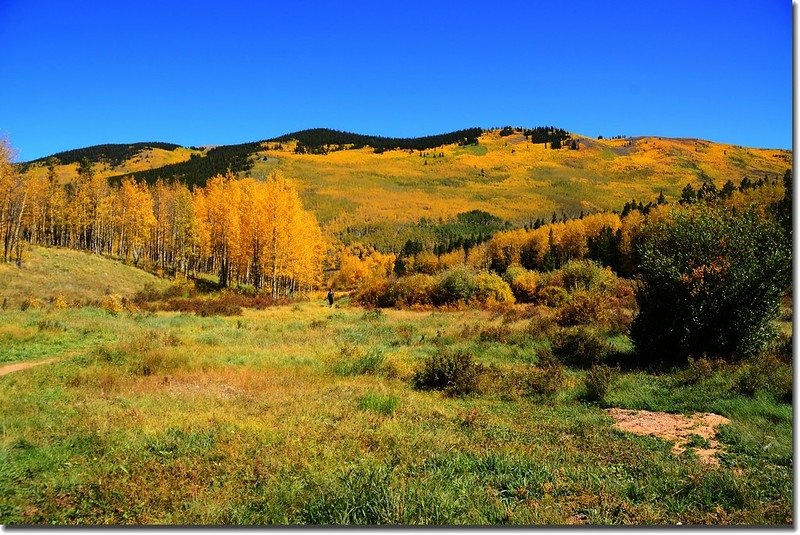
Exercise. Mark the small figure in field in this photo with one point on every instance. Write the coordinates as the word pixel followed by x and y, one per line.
pixel 330 296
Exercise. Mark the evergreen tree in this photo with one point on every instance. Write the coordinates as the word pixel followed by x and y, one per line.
pixel 727 189
pixel 688 195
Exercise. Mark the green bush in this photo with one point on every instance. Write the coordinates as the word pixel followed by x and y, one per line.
pixel 598 381
pixel 541 326
pixel 698 370
pixel 711 281
pixel 514 272
pixel 587 275
pixel 580 346
pixel 765 373
pixel 456 285
pixel 500 333
pixel 455 373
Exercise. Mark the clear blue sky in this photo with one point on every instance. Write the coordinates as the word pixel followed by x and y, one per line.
pixel 81 73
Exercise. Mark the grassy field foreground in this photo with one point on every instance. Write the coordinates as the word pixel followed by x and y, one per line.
pixel 306 414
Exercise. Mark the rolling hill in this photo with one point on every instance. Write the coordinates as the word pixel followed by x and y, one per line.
pixel 372 184
pixel 76 276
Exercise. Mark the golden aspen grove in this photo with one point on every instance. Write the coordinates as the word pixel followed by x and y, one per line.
pixel 244 231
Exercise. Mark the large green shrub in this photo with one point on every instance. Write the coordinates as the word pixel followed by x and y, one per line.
pixel 456 285
pixel 587 275
pixel 710 282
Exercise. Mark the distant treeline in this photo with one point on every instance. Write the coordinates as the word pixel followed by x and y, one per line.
pixel 324 140
pixel 114 154
pixel 540 134
pixel 198 169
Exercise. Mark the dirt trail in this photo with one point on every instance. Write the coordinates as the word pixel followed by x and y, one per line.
pixel 675 428
pixel 25 365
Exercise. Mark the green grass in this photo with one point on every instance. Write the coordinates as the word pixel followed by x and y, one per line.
pixel 306 414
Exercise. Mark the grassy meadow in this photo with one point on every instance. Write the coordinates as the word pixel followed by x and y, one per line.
pixel 302 413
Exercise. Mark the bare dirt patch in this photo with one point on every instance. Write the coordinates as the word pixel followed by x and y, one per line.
pixel 676 428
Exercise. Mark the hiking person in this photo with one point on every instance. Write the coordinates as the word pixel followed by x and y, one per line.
pixel 330 296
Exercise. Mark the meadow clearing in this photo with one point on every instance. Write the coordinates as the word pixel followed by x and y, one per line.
pixel 303 413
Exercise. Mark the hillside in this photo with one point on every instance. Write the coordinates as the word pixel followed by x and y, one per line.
pixel 75 275
pixel 505 173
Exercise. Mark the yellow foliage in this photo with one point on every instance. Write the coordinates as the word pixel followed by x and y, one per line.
pixel 111 304
pixel 60 302
pixel 358 265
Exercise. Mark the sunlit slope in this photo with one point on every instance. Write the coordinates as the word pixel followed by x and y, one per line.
pixel 505 175
pixel 511 177
pixel 146 159
pixel 75 275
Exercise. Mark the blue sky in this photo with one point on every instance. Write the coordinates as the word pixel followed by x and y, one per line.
pixel 196 73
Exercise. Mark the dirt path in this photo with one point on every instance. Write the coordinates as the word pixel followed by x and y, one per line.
pixel 675 428
pixel 25 365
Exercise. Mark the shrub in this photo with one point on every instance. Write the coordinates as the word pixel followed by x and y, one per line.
pixel 598 380
pixel 218 306
pixel 111 304
pixel 373 292
pixel 523 282
pixel 782 348
pixel 698 370
pixel 60 302
pixel 415 290
pixel 545 379
pixel 455 373
pixel 587 275
pixel 711 282
pixel 491 288
pixel 765 373
pixel 512 273
pixel 551 296
pixel 150 292
pixel 541 326
pixel 498 333
pixel 619 320
pixel 583 308
pixel 580 346
pixel 31 302
pixel 526 287
pixel 453 286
